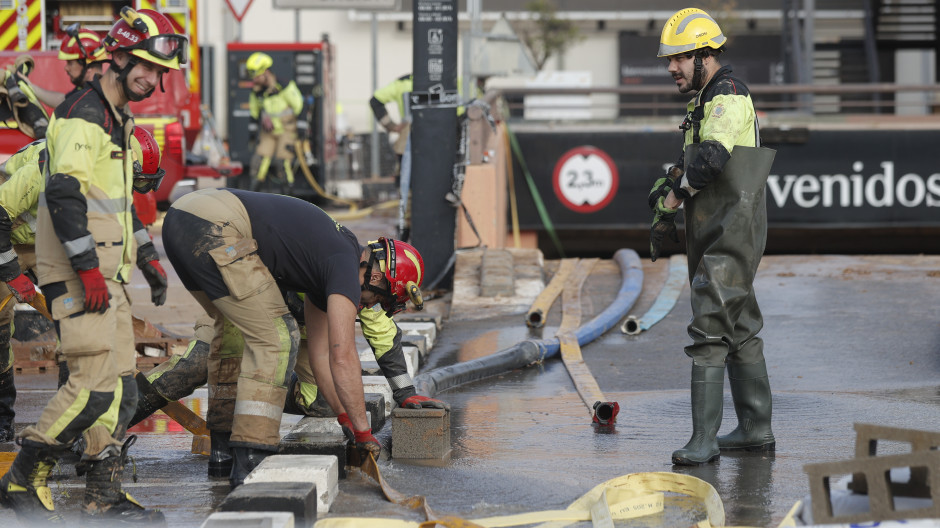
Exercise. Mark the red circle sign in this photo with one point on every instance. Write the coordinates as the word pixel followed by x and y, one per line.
pixel 585 179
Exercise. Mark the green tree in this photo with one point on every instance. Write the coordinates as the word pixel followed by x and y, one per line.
pixel 551 35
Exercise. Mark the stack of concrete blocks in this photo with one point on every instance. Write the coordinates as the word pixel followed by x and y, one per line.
pixel 245 519
pixel 882 487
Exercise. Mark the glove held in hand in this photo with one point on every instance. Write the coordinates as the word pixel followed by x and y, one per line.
pixel 23 289
pixel 156 278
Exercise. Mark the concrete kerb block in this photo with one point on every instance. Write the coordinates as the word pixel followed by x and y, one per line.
pixel 370 368
pixel 317 436
pixel 375 410
pixel 379 385
pixel 881 504
pixel 320 470
pixel 412 359
pixel 419 341
pixel 420 433
pixel 260 519
pixel 428 330
pixel 298 498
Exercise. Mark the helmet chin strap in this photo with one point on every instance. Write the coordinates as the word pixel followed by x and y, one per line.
pixel 122 77
pixel 697 76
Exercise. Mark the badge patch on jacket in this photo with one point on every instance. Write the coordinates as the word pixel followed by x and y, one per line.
pixel 718 111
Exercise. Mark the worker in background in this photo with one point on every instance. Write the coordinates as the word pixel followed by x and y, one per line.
pixel 183 373
pixel 85 247
pixel 19 203
pixel 274 109
pixel 20 108
pixel 720 178
pixel 227 247
pixel 84 57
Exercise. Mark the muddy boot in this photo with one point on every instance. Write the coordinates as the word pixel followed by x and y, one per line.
pixel 7 399
pixel 750 390
pixel 63 372
pixel 149 400
pixel 24 490
pixel 707 400
pixel 220 455
pixel 244 459
pixel 106 503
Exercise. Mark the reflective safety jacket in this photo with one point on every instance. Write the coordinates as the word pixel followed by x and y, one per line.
pixel 280 103
pixel 384 337
pixel 85 216
pixel 719 117
pixel 393 91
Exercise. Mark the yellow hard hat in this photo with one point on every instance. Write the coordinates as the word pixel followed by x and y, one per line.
pixel 257 63
pixel 687 30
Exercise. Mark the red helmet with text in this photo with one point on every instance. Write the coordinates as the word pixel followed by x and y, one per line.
pixel 148 35
pixel 403 268
pixel 147 172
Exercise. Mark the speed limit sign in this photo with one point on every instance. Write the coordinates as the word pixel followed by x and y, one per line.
pixel 585 179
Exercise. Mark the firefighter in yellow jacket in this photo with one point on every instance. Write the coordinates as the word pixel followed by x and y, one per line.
pixel 274 109
pixel 85 248
pixel 19 204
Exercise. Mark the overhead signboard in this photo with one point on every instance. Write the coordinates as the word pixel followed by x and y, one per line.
pixel 363 5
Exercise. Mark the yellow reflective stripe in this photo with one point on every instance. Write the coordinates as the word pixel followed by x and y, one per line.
pixel 73 410
pixel 258 408
pixel 110 418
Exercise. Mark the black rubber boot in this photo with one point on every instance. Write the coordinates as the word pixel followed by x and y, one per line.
pixel 220 454
pixel 7 399
pixel 707 400
pixel 149 400
pixel 24 489
pixel 106 503
pixel 244 460
pixel 753 404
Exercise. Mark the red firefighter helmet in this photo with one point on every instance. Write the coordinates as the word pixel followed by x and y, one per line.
pixel 81 44
pixel 147 172
pixel 404 270
pixel 148 35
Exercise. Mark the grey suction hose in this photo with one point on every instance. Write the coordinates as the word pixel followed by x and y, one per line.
pixel 531 350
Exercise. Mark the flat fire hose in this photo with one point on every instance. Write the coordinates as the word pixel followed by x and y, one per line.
pixel 625 497
pixel 665 301
pixel 535 317
pixel 580 374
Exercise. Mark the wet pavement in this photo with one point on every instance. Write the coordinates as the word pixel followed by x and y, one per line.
pixel 847 339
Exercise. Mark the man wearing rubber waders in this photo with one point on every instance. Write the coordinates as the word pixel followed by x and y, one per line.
pixel 720 177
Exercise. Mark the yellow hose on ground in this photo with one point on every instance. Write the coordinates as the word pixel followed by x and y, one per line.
pixel 298 151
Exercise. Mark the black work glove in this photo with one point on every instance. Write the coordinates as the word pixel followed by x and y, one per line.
pixel 156 278
pixel 663 185
pixel 664 225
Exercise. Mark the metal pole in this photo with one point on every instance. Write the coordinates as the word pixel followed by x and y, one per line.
pixel 297 25
pixel 374 144
pixel 809 47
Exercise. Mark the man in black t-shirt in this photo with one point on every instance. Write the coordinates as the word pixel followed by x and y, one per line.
pixel 234 251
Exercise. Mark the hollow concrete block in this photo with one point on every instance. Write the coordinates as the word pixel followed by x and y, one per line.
pixel 317 436
pixel 379 385
pixel 420 433
pixel 298 498
pixel 427 329
pixel 320 471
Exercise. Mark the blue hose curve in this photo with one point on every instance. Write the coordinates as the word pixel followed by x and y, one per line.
pixel 531 350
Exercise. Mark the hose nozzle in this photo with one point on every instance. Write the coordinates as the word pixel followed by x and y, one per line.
pixel 605 413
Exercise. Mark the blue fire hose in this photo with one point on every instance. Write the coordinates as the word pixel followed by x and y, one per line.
pixel 532 351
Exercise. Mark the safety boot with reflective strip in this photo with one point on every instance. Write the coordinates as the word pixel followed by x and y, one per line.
pixel 24 489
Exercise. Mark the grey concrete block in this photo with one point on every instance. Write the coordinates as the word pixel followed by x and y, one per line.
pixel 379 385
pixel 298 498
pixel 263 519
pixel 317 470
pixel 370 367
pixel 375 408
pixel 412 359
pixel 496 274
pixel 420 433
pixel 427 329
pixel 416 340
pixel 308 442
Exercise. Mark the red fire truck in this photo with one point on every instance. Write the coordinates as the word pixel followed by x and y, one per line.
pixel 173 116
